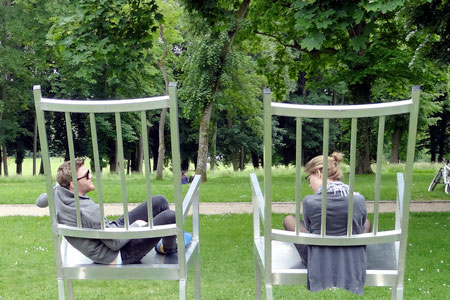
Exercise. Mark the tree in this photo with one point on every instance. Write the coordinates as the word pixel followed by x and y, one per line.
pixel 166 37
pixel 207 64
pixel 360 43
pixel 100 48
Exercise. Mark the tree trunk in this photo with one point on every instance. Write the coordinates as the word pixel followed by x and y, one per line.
pixel 202 158
pixel 255 160
pixel 242 166
pixel 233 154
pixel 5 160
pixel 212 164
pixel 162 120
pixel 19 162
pixel 140 155
pixel 113 161
pixel 363 163
pixel 395 149
pixel 35 137
pixel 443 138
pixel 41 168
pixel 162 147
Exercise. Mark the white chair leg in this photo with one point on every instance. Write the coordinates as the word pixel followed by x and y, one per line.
pixel 61 292
pixel 69 289
pixel 397 293
pixel 269 294
pixel 183 289
pixel 197 281
pixel 258 287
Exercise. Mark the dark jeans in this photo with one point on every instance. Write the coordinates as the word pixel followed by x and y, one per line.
pixel 136 249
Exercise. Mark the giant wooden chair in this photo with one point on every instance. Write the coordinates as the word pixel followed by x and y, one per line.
pixel 154 266
pixel 276 258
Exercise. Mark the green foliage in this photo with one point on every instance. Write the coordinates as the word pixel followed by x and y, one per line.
pixel 101 41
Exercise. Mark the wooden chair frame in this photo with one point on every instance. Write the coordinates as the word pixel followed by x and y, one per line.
pixel 276 258
pixel 154 266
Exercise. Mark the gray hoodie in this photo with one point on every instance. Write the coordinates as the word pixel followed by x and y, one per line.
pixel 102 251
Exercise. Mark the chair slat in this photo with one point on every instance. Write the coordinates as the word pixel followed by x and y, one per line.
pixel 352 176
pixel 298 175
pixel 98 173
pixel 73 167
pixel 326 139
pixel 146 168
pixel 122 170
pixel 377 196
pixel 267 97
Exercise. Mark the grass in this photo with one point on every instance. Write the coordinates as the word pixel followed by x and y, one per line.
pixel 224 185
pixel 28 270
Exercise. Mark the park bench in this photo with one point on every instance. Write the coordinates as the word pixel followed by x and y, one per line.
pixel 154 266
pixel 276 258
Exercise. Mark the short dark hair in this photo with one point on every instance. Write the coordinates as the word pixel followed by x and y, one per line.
pixel 64 173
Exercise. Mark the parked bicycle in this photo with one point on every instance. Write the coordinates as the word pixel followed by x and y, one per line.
pixel 443 173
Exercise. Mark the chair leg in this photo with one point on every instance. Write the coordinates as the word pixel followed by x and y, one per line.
pixel 69 289
pixel 197 281
pixel 397 293
pixel 61 290
pixel 269 294
pixel 258 286
pixel 183 289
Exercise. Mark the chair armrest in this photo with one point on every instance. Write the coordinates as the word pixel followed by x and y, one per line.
pixel 191 195
pixel 257 196
pixel 400 198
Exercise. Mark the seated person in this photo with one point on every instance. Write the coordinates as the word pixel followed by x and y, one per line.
pixel 332 266
pixel 107 251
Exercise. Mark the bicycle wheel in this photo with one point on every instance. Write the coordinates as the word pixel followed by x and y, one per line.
pixel 447 188
pixel 435 180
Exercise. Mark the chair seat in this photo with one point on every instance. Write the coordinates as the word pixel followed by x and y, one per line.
pixel 288 267
pixel 163 267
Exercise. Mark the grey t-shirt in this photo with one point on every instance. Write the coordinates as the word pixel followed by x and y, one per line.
pixel 336 266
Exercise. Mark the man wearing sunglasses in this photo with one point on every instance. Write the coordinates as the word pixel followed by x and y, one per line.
pixel 107 251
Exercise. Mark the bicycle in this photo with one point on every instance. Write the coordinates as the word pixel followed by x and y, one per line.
pixel 443 173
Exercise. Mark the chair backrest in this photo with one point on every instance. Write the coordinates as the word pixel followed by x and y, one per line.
pixel 139 108
pixel 354 112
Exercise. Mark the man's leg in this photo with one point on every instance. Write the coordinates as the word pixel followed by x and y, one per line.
pixel 159 204
pixel 136 249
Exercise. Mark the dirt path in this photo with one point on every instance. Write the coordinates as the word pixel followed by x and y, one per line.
pixel 227 208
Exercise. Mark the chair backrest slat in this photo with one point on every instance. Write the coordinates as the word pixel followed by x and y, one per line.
pixel 298 175
pixel 148 189
pixel 123 181
pixel 377 196
pixel 326 139
pixel 73 167
pixel 351 179
pixel 267 97
pixel 98 173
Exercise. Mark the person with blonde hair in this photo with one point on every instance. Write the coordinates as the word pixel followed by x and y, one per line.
pixel 332 266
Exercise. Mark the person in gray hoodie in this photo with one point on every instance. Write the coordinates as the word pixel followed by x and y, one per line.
pixel 105 251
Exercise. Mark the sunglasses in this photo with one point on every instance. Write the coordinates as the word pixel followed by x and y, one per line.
pixel 307 177
pixel 87 175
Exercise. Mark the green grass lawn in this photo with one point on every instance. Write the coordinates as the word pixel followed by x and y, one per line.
pixel 28 270
pixel 224 185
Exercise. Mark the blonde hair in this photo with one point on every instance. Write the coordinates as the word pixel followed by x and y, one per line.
pixel 334 171
pixel 64 173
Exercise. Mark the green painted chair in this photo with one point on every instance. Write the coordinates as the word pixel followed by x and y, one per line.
pixel 154 266
pixel 276 258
